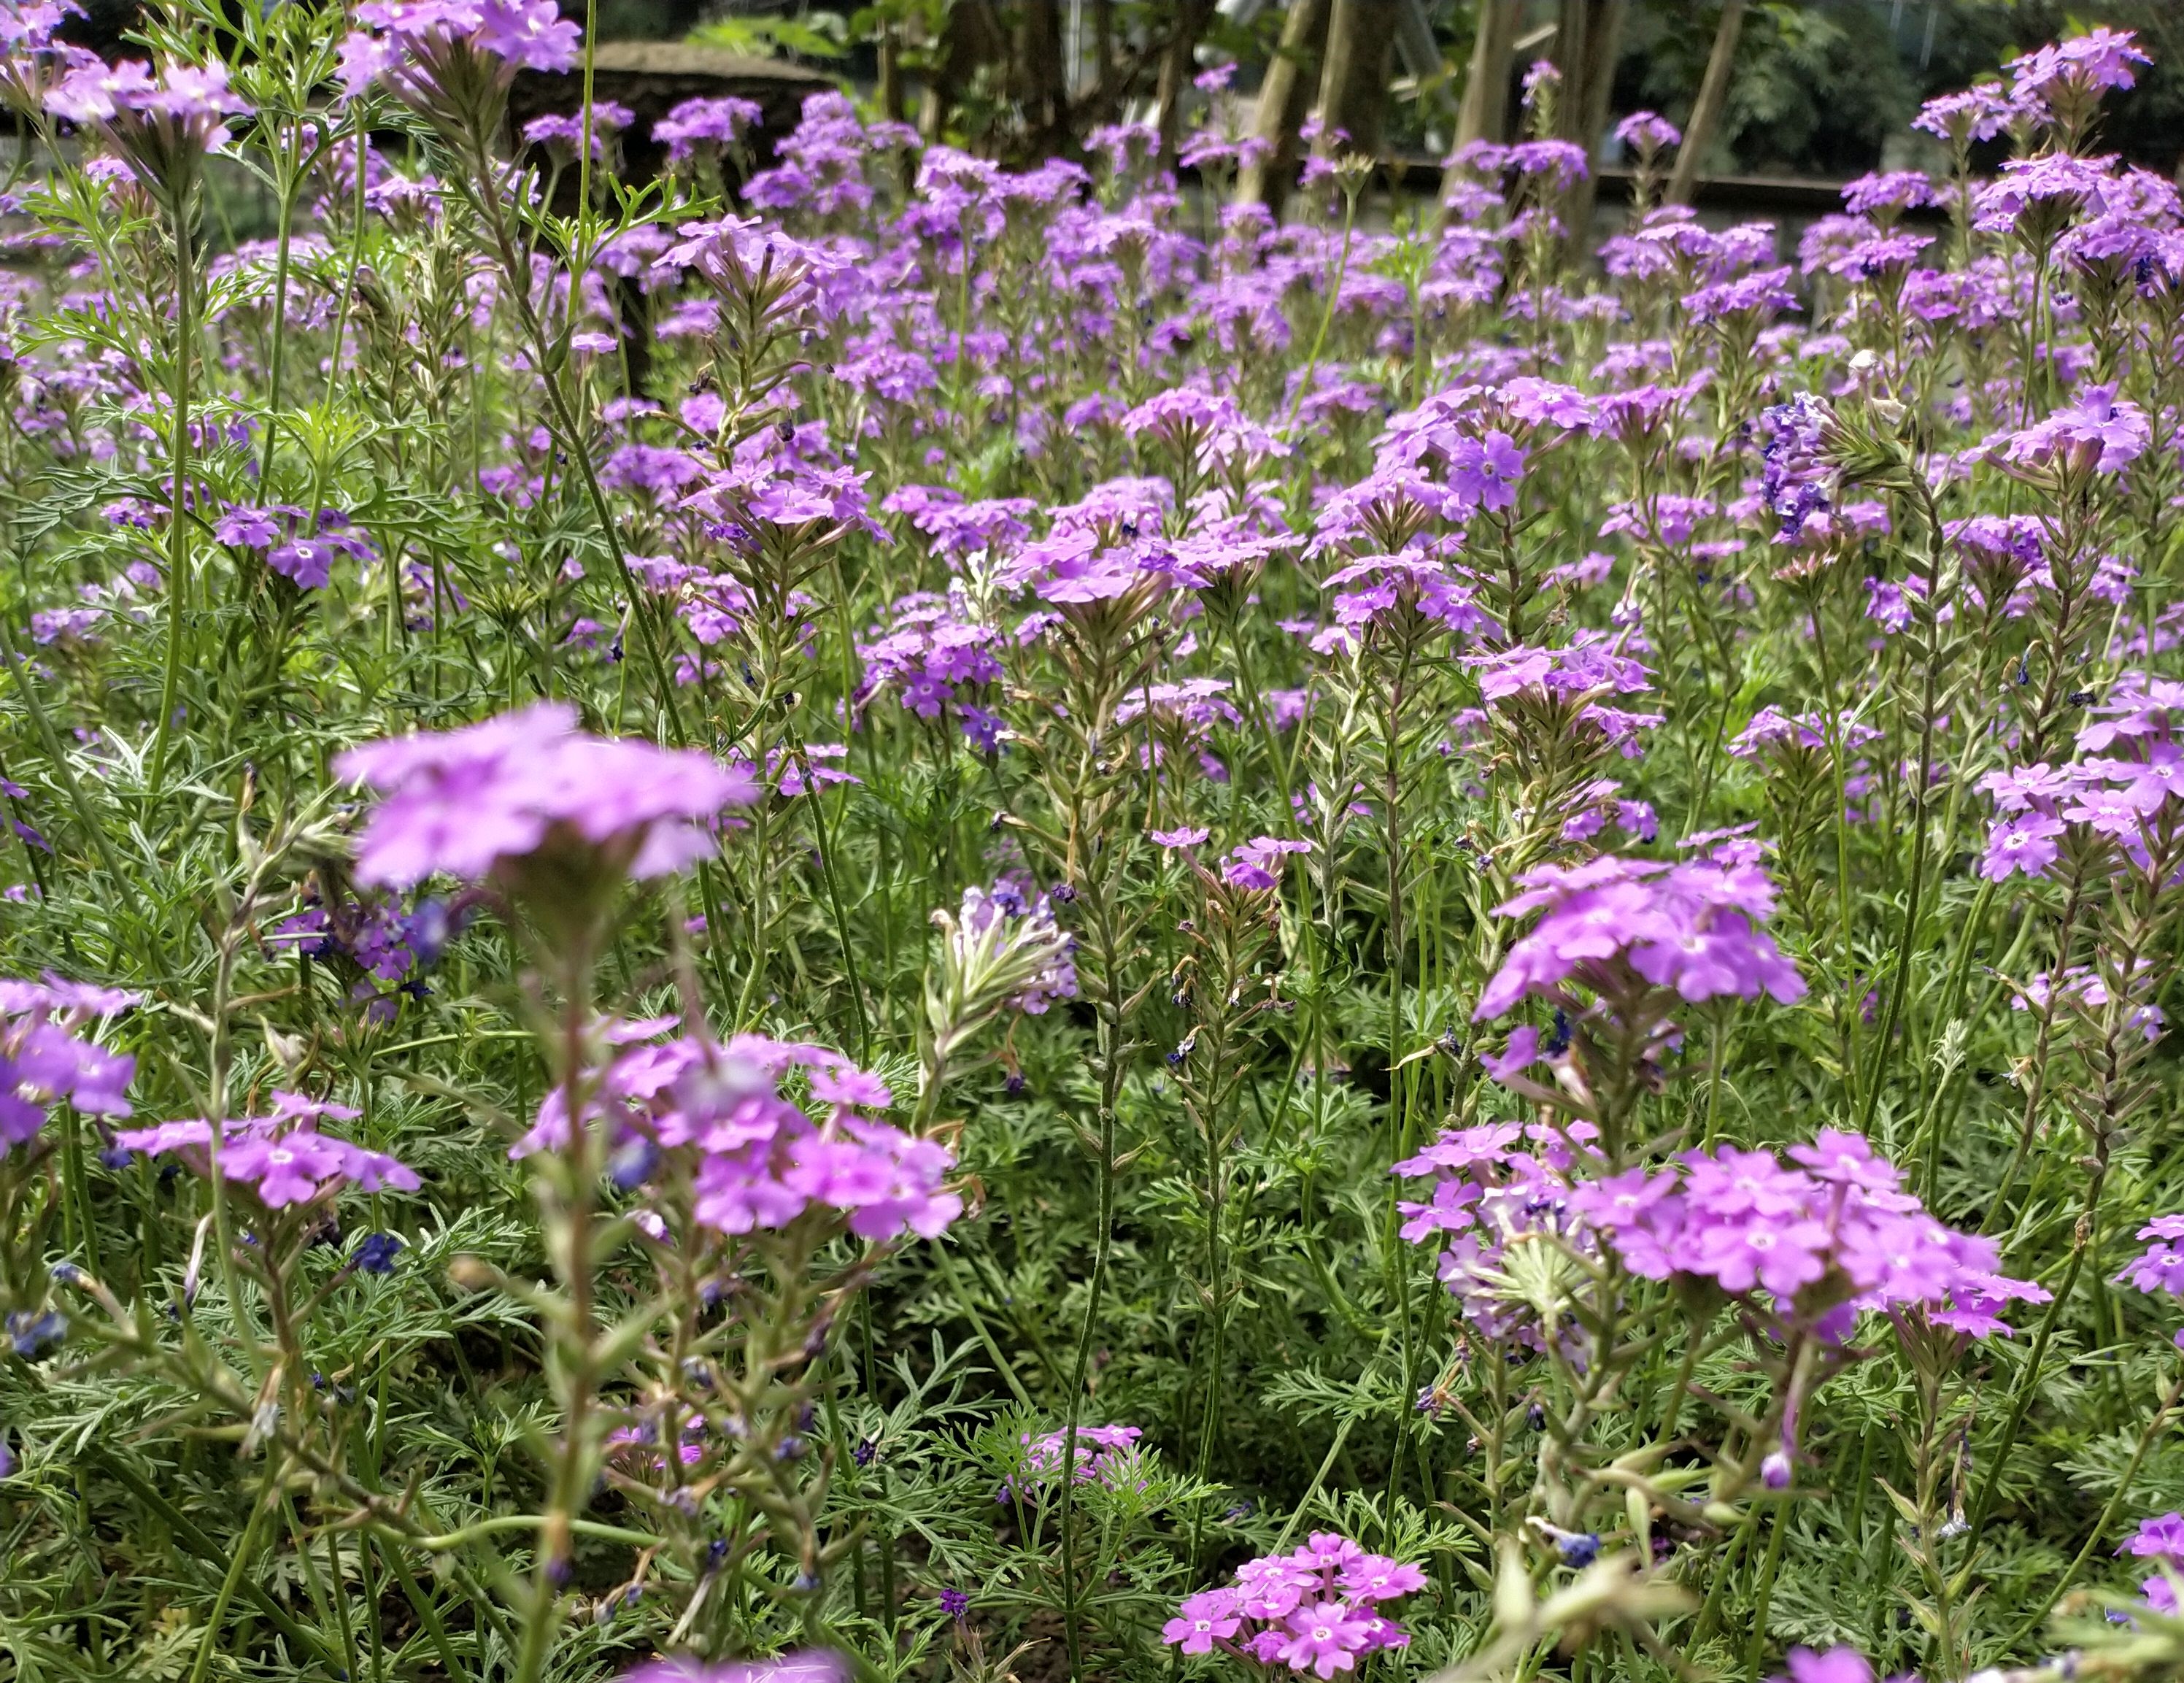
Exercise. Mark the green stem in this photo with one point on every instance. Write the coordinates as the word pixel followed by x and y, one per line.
pixel 246 1546
pixel 178 516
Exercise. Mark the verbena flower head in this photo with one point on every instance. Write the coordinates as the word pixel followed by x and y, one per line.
pixel 475 801
pixel 1313 1611
pixel 1258 864
pixel 46 1060
pixel 1825 1235
pixel 1104 1454
pixel 1000 950
pixel 2099 433
pixel 699 124
pixel 455 59
pixel 1689 929
pixel 811 1665
pixel 755 1160
pixel 1500 1189
pixel 282 1157
pixel 161 122
pixel 1647 132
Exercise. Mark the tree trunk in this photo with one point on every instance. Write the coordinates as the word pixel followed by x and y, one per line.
pixel 1706 113
pixel 1045 81
pixel 1284 96
pixel 1191 18
pixel 1587 107
pixel 1484 113
pixel 1353 81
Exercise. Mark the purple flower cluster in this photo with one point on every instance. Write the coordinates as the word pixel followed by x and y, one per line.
pixel 160 119
pixel 1615 925
pixel 704 123
pixel 2160 1540
pixel 464 801
pixel 282 1157
pixel 45 1058
pixel 811 1665
pixel 299 548
pixel 387 951
pixel 418 45
pixel 1010 927
pixel 2126 787
pixel 1316 1609
pixel 1491 1192
pixel 933 655
pixel 1258 864
pixel 1827 1235
pixel 1103 1454
pixel 753 1157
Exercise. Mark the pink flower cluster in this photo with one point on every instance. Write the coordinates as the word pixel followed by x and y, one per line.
pixel 405 36
pixel 2126 788
pixel 2160 1268
pixel 1832 1235
pixel 1490 1191
pixel 179 107
pixel 1826 1236
pixel 2161 1541
pixel 1102 1452
pixel 1314 1610
pixel 464 801
pixel 43 1060
pixel 282 1157
pixel 814 1665
pixel 754 1159
pixel 1612 924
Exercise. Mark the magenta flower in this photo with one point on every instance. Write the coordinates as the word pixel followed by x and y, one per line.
pixel 434 52
pixel 1325 1637
pixel 468 801
pixel 812 1665
pixel 2025 843
pixel 1201 1620
pixel 281 1157
pixel 162 124
pixel 1836 1665
pixel 2099 433
pixel 1312 1610
pixel 755 1158
pixel 44 1060
pixel 1485 471
pixel 1257 863
pixel 1686 928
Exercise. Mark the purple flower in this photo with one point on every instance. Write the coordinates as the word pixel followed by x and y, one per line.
pixel 1687 928
pixel 160 122
pixel 1313 1610
pixel 43 1060
pixel 468 801
pixel 1645 132
pixel 1201 1620
pixel 2025 843
pixel 2097 434
pixel 1486 471
pixel 375 1253
pixel 424 48
pixel 956 1604
pixel 695 123
pixel 1256 864
pixel 281 1157
pixel 812 1665
pixel 1836 1665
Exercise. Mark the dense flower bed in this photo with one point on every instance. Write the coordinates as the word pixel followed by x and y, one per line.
pixel 1196 945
